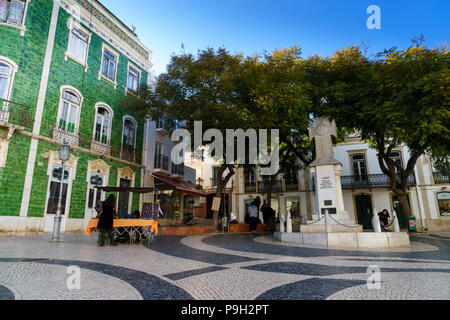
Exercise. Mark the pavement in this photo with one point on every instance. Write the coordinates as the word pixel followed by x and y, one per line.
pixel 247 266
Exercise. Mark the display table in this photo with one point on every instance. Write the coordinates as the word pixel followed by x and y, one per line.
pixel 135 228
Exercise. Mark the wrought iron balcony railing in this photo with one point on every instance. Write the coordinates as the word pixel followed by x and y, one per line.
pixel 178 169
pixel 370 180
pixel 441 178
pixel 250 186
pixel 263 186
pixel 128 153
pixel 161 162
pixel 15 113
pixel 291 185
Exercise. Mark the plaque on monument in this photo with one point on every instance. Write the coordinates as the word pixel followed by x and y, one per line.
pixel 328 203
pixel 330 210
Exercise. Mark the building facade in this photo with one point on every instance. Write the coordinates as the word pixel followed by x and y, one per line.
pixel 365 189
pixel 65 66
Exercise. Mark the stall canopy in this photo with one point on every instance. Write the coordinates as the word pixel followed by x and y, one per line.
pixel 126 189
pixel 181 186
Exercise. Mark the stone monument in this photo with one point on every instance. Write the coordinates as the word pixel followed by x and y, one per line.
pixel 327 176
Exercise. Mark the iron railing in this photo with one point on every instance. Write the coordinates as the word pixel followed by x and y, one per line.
pixel 162 124
pixel 15 113
pixel 291 185
pixel 441 178
pixel 178 169
pixel 250 186
pixel 371 180
pixel 263 186
pixel 161 162
pixel 128 153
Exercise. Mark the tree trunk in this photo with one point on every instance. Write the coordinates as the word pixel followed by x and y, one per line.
pixel 405 206
pixel 221 185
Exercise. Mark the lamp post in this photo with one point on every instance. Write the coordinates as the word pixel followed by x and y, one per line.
pixel 64 154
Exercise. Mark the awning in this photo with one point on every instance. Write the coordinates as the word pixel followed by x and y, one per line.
pixel 126 189
pixel 181 186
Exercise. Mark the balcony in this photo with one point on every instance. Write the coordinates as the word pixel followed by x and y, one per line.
pixel 162 126
pixel 99 147
pixel 250 186
pixel 161 163
pixel 178 171
pixel 263 186
pixel 291 185
pixel 128 153
pixel 14 116
pixel 440 178
pixel 371 180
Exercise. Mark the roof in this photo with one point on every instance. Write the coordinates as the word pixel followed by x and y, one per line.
pixel 181 186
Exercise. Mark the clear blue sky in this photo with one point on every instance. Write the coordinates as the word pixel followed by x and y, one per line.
pixel 249 26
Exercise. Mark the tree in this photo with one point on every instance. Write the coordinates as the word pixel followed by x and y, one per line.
pixel 198 88
pixel 399 99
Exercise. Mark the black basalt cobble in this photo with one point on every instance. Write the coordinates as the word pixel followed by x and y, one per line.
pixel 310 289
pixel 172 246
pixel 191 273
pixel 6 294
pixel 150 287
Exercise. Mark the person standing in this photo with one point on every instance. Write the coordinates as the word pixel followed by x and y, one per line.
pixel 265 213
pixel 105 222
pixel 253 216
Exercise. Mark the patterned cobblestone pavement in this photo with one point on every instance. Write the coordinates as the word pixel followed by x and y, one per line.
pixel 219 266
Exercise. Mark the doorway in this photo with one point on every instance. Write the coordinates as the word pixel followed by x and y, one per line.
pixel 364 210
pixel 398 209
pixel 124 198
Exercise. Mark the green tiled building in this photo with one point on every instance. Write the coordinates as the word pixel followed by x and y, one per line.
pixel 65 66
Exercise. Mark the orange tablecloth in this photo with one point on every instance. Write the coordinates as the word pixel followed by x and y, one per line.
pixel 117 223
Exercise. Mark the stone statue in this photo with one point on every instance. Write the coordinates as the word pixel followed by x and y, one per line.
pixel 321 133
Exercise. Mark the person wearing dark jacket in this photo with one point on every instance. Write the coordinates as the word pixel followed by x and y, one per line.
pixel 384 220
pixel 105 222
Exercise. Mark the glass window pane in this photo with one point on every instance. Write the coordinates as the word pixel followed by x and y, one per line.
pixel 105 67
pixel 15 12
pixel 78 33
pixel 81 51
pixel 91 198
pixel 71 97
pixel 3 10
pixel 109 56
pixel 111 70
pixel 3 87
pixel 5 69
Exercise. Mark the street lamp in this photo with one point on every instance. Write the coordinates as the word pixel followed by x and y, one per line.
pixel 64 155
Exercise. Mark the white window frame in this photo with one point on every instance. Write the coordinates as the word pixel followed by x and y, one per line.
pixel 20 26
pixel 14 69
pixel 111 112
pixel 131 66
pixel 60 108
pixel 74 25
pixel 116 55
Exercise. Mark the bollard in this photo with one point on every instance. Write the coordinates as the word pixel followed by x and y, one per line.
pixel 376 221
pixel 281 223
pixel 395 221
pixel 326 221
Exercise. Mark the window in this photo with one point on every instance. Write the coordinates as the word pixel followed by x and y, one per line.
pixel 133 79
pixel 55 187
pixel 109 65
pixel 6 72
pixel 396 156
pixel 95 195
pixel 102 125
pixel 129 133
pixel 12 11
pixel 359 166
pixel 78 45
pixel 69 111
pixel 443 199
